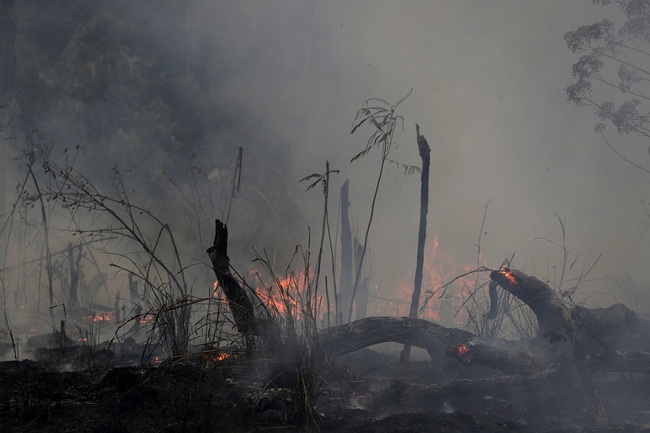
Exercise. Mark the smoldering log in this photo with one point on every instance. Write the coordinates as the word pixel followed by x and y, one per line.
pixel 352 336
pixel 553 317
pixel 477 353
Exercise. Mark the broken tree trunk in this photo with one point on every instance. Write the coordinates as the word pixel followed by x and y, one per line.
pixel 425 154
pixel 253 323
pixel 554 318
pixel 240 304
pixel 75 273
pixel 345 282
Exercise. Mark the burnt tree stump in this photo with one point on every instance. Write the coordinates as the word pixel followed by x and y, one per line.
pixel 239 303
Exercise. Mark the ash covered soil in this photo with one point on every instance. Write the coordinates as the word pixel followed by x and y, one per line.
pixel 367 391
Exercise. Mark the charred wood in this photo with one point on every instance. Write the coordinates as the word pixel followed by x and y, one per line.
pixel 251 322
pixel 476 353
pixel 239 303
pixel 553 317
pixel 620 361
pixel 356 335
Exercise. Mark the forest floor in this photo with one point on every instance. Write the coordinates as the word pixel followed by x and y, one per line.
pixel 367 391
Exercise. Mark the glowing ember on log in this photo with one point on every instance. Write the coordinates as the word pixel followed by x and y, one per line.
pixel 505 276
pixel 509 275
pixel 462 348
pixel 460 351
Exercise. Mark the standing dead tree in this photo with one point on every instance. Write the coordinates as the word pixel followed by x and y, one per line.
pixel 425 154
pixel 345 285
pixel 75 272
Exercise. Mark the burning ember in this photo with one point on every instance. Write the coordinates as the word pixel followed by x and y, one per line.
pixel 219 357
pixel 462 348
pixel 100 317
pixel 509 275
pixel 460 351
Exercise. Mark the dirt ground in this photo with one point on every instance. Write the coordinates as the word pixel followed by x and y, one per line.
pixel 367 391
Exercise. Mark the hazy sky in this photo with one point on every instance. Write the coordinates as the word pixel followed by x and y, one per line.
pixel 488 84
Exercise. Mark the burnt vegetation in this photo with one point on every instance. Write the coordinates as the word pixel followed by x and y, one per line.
pixel 128 308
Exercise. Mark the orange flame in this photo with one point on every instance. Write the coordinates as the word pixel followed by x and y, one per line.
pixel 100 317
pixel 440 268
pixel 286 295
pixel 220 357
pixel 509 275
pixel 147 318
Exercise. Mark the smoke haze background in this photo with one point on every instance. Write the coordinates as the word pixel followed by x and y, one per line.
pixel 488 85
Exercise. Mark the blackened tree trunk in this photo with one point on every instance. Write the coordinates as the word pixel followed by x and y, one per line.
pixel 345 283
pixel 7 79
pixel 75 273
pixel 363 291
pixel 7 51
pixel 240 304
pixel 425 154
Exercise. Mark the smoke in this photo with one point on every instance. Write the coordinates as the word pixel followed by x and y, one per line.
pixel 489 95
pixel 283 80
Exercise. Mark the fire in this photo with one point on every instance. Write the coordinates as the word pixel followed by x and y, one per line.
pixel 509 275
pixel 286 295
pixel 461 352
pixel 439 269
pixel 147 318
pixel 462 349
pixel 215 288
pixel 100 317
pixel 220 357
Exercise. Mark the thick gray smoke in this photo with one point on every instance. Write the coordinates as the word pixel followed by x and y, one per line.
pixel 286 78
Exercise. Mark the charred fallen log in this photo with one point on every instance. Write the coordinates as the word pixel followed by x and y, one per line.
pixel 477 353
pixel 554 318
pixel 620 361
pixel 352 336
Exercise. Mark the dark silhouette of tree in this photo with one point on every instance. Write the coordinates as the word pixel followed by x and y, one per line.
pixel 7 50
